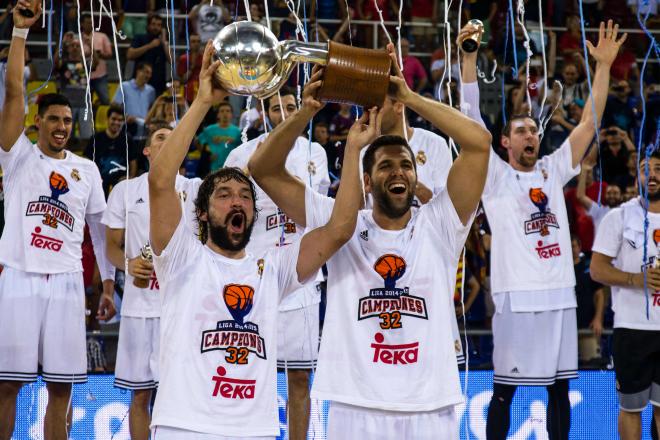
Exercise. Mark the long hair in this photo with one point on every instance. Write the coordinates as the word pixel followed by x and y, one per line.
pixel 206 189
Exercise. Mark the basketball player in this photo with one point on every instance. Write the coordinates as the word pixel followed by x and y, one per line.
pixel 218 377
pixel 49 195
pixel 298 323
pixel 127 216
pixel 532 276
pixel 617 252
pixel 387 360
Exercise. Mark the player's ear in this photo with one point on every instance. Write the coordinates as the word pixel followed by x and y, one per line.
pixel 146 151
pixel 367 183
pixel 505 141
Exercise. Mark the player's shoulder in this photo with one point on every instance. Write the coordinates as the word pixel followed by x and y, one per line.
pixel 245 150
pixel 82 162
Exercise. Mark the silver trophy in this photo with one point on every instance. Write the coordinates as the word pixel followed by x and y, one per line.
pixel 254 62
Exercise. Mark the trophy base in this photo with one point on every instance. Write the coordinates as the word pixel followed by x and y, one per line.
pixel 469 45
pixel 355 75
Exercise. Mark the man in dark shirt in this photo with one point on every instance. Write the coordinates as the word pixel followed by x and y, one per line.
pixel 154 49
pixel 108 150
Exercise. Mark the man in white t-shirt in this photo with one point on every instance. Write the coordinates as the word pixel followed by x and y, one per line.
pixel 387 361
pixel 532 275
pixel 298 323
pixel 127 239
pixel 625 256
pixel 217 372
pixel 50 193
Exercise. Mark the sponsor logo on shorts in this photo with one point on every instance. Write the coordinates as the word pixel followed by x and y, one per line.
pixel 540 222
pixel 389 303
pixel 237 337
pixel 44 242
pixel 546 252
pixel 232 388
pixel 54 211
pixel 397 354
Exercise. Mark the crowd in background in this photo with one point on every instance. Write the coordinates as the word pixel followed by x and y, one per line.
pixel 159 82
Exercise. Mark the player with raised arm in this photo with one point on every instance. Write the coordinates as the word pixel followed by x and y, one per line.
pixel 387 360
pixel 532 274
pixel 49 195
pixel 219 313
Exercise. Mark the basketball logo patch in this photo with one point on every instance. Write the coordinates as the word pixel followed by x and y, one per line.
pixel 541 221
pixel 58 185
pixel 54 211
pixel 390 303
pixel 239 300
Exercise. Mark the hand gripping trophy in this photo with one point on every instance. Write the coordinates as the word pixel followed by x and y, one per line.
pixel 255 63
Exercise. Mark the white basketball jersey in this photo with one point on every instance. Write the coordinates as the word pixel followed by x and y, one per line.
pixel 531 244
pixel 387 338
pixel 218 349
pixel 621 236
pixel 433 159
pixel 129 202
pixel 273 228
pixel 46 201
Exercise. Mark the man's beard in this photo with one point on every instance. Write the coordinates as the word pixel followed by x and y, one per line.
pixel 220 236
pixel 387 205
pixel 527 161
pixel 654 196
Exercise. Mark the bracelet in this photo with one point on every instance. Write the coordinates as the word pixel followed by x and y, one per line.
pixel 20 33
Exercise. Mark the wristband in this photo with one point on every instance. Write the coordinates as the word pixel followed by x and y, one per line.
pixel 20 33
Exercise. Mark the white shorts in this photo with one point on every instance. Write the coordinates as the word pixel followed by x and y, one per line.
pixel 42 322
pixel 168 433
pixel 534 348
pixel 137 353
pixel 298 338
pixel 354 422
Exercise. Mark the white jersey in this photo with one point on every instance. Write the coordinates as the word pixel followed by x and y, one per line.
pixel 621 236
pixel 433 159
pixel 129 202
pixel 387 338
pixel 46 201
pixel 273 228
pixel 218 352
pixel 597 213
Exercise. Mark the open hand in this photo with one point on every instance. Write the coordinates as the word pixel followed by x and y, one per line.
pixel 608 45
pixel 309 100
pixel 398 88
pixel 210 92
pixel 360 135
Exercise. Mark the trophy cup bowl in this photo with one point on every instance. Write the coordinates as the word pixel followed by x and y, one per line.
pixel 471 42
pixel 254 62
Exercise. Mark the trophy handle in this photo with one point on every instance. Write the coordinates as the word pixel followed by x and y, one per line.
pixel 293 51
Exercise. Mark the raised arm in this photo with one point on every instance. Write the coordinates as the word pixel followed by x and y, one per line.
pixel 267 164
pixel 468 173
pixel 12 117
pixel 321 243
pixel 162 175
pixel 470 86
pixel 605 53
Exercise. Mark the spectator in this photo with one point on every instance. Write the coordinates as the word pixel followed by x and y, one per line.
pixel 613 194
pixel 135 25
pixel 620 108
pixel 630 192
pixel 208 18
pixel 615 150
pixel 98 80
pixel 257 13
pixel 413 70
pixel 220 138
pixel 590 305
pixel 438 70
pixel 334 152
pixel 484 10
pixel 164 109
pixel 154 49
pixel 563 122
pixel 630 178
pixel 73 83
pixel 109 149
pixel 341 123
pixel 570 42
pixel 426 12
pixel 137 98
pixel 573 87
pixel 624 66
pixel 27 75
pixel 189 66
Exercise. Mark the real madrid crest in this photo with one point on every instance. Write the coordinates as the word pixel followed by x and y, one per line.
pixel 183 195
pixel 420 158
pixel 260 266
pixel 75 175
pixel 311 167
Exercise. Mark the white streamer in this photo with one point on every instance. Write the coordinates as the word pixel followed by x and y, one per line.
pixel 520 19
